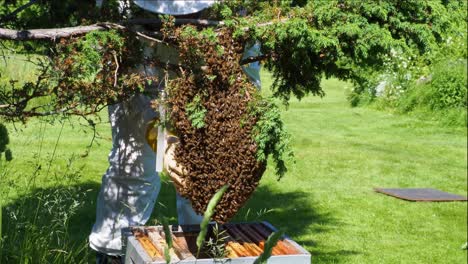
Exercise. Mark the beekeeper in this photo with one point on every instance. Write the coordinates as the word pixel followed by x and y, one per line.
pixel 131 184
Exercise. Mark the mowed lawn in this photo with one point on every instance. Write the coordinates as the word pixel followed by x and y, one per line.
pixel 325 202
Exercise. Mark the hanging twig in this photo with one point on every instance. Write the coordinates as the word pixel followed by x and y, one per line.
pixel 55 149
pixel 149 38
pixel 116 68
pixel 92 124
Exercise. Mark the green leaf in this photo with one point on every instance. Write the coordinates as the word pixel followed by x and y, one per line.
pixel 167 232
pixel 210 209
pixel 270 135
pixel 269 245
pixel 196 112
pixel 1 221
pixel 167 255
pixel 168 238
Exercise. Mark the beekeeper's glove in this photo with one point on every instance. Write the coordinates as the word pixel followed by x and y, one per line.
pixel 174 170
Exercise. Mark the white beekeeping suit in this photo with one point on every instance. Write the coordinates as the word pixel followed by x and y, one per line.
pixel 131 184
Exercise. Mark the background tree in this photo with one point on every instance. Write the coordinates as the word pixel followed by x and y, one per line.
pixel 303 42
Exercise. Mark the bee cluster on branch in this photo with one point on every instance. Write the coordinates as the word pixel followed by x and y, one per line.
pixel 213 108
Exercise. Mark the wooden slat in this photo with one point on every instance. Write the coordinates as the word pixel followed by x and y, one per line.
pixel 260 240
pixel 150 249
pixel 256 238
pixel 244 240
pixel 160 243
pixel 181 247
pixel 282 245
pixel 231 252
pixel 236 250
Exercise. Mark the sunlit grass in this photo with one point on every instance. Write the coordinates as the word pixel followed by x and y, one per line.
pixel 325 202
pixel 342 153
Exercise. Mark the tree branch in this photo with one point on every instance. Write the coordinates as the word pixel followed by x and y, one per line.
pixel 178 22
pixel 67 32
pixel 55 33
pixel 47 34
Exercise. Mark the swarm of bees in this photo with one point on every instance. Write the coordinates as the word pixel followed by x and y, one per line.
pixel 223 151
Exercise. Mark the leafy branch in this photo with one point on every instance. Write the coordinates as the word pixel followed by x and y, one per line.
pixel 196 112
pixel 270 135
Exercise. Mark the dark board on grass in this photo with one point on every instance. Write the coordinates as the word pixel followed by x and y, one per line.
pixel 421 194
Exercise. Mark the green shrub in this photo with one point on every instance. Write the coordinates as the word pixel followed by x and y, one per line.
pixel 444 98
pixel 417 95
pixel 444 61
pixel 446 90
pixel 448 85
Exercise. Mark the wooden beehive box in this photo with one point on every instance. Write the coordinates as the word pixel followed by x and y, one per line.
pixel 244 243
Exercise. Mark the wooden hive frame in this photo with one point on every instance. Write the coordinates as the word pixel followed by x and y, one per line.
pixel 244 242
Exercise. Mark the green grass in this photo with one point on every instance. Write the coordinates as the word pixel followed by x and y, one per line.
pixel 325 201
pixel 342 153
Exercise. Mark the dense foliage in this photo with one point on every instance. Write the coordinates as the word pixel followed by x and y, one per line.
pixel 269 134
pixel 431 84
pixel 81 76
pixel 312 39
pixel 46 13
pixel 341 38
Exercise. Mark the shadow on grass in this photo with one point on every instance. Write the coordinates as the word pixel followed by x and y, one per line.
pixel 49 225
pixel 293 212
pixel 63 217
pixel 52 225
